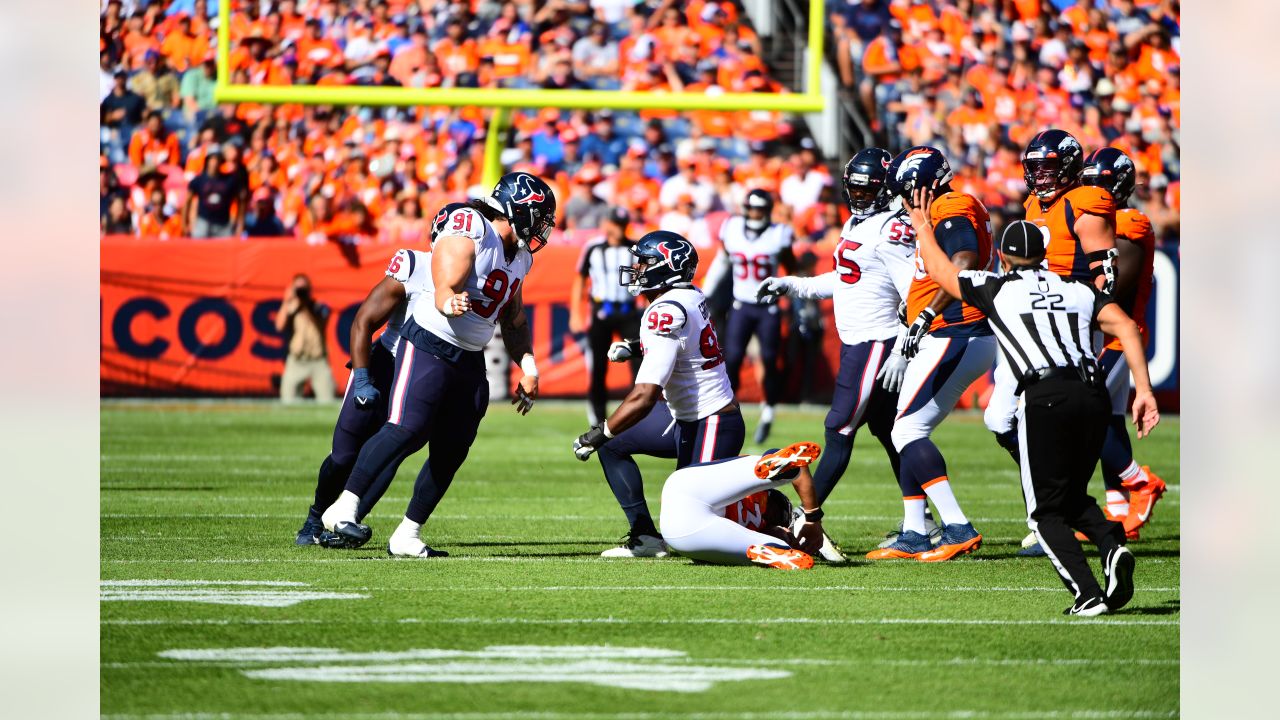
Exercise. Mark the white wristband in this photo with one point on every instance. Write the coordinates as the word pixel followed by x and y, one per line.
pixel 604 426
pixel 528 365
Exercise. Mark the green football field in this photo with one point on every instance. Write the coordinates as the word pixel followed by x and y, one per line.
pixel 209 610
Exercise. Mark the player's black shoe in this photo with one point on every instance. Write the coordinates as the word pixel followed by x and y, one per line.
pixel 310 532
pixel 1117 568
pixel 354 534
pixel 1088 607
pixel 332 540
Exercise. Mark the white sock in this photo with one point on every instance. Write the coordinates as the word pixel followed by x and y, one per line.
pixel 766 413
pixel 344 508
pixel 407 529
pixel 913 514
pixel 1133 477
pixel 939 491
pixel 1117 503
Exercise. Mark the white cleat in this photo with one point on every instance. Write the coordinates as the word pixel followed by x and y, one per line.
pixel 638 546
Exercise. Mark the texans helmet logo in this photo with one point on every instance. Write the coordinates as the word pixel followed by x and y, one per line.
pixel 676 254
pixel 526 193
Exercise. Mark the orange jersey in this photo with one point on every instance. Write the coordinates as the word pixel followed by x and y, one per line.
pixel 749 511
pixel 958 314
pixel 1063 255
pixel 1133 225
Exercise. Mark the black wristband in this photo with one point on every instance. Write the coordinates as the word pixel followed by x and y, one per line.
pixel 813 515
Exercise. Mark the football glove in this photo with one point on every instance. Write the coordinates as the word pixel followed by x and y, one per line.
pixel 916 333
pixel 588 442
pixel 362 389
pixel 623 350
pixel 770 289
pixel 891 372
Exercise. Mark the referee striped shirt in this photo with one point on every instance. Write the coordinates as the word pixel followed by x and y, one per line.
pixel 1041 319
pixel 600 262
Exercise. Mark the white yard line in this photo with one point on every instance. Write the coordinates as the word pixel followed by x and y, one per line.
pixel 457 559
pixel 1081 714
pixel 181 583
pixel 1090 622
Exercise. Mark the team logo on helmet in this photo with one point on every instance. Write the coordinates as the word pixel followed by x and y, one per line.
pixel 912 162
pixel 675 254
pixel 525 193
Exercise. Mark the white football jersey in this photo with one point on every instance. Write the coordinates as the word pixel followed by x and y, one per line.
pixel 413 269
pixel 875 260
pixel 682 354
pixel 753 258
pixel 491 284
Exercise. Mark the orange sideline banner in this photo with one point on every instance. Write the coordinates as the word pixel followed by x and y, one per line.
pixel 196 317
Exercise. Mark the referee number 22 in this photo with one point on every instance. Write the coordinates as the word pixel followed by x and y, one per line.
pixel 1046 301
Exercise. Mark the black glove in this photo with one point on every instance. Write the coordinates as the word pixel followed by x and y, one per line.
pixel 916 333
pixel 588 442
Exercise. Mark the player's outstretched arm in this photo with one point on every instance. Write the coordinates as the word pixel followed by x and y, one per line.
pixel 516 337
pixel 452 257
pixel 1113 321
pixel 634 408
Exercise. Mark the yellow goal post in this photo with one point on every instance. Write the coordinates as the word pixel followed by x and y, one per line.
pixel 503 99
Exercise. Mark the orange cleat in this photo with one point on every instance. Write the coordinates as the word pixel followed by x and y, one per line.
pixel 957 540
pixel 779 557
pixel 1143 500
pixel 909 545
pixel 792 457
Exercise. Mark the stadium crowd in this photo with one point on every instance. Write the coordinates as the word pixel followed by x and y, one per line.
pixel 973 76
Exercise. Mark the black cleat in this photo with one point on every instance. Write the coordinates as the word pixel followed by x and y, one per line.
pixel 1118 570
pixel 1088 607
pixel 310 532
pixel 762 432
pixel 332 540
pixel 353 534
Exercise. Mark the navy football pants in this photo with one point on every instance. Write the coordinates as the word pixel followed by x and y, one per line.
pixel 765 323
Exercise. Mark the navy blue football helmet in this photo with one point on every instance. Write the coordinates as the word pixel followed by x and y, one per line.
pixel 919 166
pixel 1052 163
pixel 663 260
pixel 1111 170
pixel 864 186
pixel 757 210
pixel 529 205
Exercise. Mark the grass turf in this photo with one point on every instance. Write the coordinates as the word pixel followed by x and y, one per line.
pixel 215 492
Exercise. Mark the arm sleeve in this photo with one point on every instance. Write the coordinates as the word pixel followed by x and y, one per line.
pixel 979 288
pixel 813 288
pixel 660 353
pixel 956 234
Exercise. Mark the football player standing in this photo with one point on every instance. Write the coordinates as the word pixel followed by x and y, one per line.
pixel 874 262
pixel 684 363
pixel 478 264
pixel 949 344
pixel 1132 490
pixel 754 247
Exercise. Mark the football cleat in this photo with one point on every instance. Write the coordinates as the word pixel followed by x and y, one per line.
pixel 829 551
pixel 332 540
pixel 310 532
pixel 910 544
pixel 353 534
pixel 1035 549
pixel 1117 569
pixel 957 540
pixel 930 528
pixel 637 546
pixel 1143 500
pixel 762 432
pixel 778 556
pixel 411 547
pixel 792 457
pixel 1088 607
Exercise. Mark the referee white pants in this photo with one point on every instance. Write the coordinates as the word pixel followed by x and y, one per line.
pixel 693 502
pixel 935 379
pixel 1003 404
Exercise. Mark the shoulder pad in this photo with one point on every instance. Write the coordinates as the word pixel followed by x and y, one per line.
pixel 665 318
pixel 1132 224
pixel 458 219
pixel 1092 200
pixel 402 265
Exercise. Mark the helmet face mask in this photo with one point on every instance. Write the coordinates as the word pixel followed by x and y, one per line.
pixel 865 189
pixel 662 260
pixel 757 210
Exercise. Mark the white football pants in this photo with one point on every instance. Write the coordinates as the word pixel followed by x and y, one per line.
pixel 935 379
pixel 693 503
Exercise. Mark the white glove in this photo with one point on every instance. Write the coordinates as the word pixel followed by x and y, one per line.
pixel 623 350
pixel 891 372
pixel 771 288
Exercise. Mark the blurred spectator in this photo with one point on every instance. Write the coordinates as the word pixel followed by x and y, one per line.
pixel 154 144
pixel 803 186
pixel 262 220
pixel 158 219
pixel 119 113
pixel 211 210
pixel 595 57
pixel 157 86
pixel 302 321
pixel 197 91
pixel 583 209
pixel 687 184
pixel 117 221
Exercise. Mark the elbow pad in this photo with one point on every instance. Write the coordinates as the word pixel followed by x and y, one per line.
pixel 1107 269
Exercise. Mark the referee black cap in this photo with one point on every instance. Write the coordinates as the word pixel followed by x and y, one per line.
pixel 1022 239
pixel 619 216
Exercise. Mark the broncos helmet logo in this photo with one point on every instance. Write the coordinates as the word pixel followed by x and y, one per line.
pixel 525 192
pixel 911 162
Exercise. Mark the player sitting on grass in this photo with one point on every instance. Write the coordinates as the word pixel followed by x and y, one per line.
pixel 719 512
